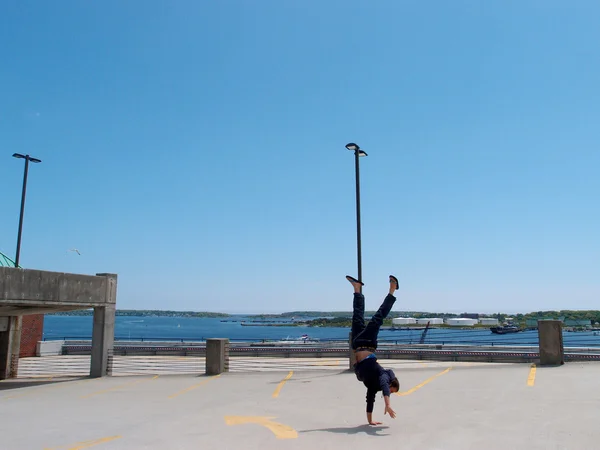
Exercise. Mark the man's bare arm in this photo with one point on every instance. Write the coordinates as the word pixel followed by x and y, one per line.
pixel 388 408
pixel 370 419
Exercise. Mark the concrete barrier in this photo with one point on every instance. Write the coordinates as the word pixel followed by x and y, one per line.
pixel 431 352
pixel 217 356
pixel 552 351
pixel 49 348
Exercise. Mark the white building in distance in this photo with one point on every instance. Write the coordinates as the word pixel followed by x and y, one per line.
pixel 430 320
pixel 461 322
pixel 404 321
pixel 488 321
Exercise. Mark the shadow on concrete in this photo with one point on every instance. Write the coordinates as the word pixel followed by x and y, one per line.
pixel 549 366
pixel 372 430
pixel 18 384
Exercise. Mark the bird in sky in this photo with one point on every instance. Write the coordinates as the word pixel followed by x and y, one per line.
pixel 75 250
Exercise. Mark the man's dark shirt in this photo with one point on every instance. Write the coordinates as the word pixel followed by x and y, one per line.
pixel 375 378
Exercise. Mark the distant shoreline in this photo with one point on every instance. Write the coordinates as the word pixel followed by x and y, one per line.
pixel 570 318
pixel 161 312
pixel 145 313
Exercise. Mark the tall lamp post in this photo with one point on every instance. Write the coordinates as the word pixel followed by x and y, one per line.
pixel 27 158
pixel 357 154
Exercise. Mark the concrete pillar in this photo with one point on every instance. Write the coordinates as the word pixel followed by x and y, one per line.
pixel 352 355
pixel 217 356
pixel 10 343
pixel 552 352
pixel 103 333
pixel 103 336
pixel 15 345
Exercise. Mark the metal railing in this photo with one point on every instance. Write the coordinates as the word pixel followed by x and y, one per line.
pixel 570 339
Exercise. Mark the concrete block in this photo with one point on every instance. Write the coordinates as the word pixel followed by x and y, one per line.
pixel 217 356
pixel 49 348
pixel 552 352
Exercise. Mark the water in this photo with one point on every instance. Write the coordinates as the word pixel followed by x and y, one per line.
pixel 192 328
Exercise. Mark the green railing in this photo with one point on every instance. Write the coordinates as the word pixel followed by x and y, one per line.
pixel 5 261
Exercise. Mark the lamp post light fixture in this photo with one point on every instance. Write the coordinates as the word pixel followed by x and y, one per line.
pixel 27 159
pixel 357 154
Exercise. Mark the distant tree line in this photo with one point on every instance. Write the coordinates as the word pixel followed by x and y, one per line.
pixel 343 318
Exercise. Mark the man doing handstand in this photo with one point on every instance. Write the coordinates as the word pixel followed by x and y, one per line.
pixel 364 344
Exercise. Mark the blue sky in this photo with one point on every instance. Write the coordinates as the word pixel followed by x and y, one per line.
pixel 197 150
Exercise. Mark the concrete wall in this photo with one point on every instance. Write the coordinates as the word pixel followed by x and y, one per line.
pixel 23 287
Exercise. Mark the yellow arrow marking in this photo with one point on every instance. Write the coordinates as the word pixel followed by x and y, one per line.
pixel 194 386
pixel 531 377
pixel 86 444
pixel 280 430
pixel 428 380
pixel 280 385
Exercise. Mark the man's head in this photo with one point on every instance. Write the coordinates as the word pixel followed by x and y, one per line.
pixel 394 385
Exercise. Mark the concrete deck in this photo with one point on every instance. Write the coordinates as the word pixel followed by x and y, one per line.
pixel 442 405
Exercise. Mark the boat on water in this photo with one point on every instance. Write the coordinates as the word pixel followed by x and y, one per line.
pixel 505 329
pixel 304 339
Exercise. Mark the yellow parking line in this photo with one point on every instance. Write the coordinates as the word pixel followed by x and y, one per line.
pixel 86 444
pixel 531 377
pixel 280 430
pixel 280 385
pixel 131 383
pixel 428 380
pixel 193 387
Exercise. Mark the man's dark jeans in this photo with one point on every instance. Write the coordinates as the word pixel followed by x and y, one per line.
pixel 366 336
